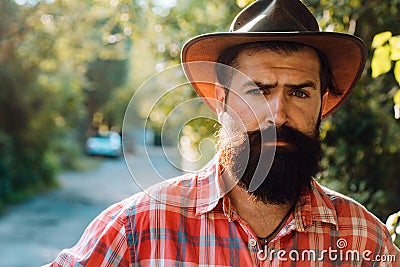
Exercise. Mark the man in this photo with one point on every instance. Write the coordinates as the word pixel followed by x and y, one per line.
pixel 274 78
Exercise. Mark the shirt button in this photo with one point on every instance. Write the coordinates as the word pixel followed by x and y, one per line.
pixel 252 242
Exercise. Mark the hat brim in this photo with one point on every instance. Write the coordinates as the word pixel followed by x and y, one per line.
pixel 346 55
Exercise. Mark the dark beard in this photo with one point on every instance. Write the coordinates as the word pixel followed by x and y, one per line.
pixel 281 177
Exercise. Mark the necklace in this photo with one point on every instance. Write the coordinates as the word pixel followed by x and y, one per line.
pixel 266 239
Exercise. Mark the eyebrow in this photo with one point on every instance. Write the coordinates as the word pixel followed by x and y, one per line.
pixel 267 86
pixel 310 84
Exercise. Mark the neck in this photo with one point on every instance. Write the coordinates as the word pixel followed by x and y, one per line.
pixel 242 200
pixel 262 217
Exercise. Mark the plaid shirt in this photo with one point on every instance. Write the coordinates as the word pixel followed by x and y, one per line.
pixel 189 221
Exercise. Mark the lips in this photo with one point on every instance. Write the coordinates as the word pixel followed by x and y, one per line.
pixel 281 147
pixel 283 139
pixel 277 143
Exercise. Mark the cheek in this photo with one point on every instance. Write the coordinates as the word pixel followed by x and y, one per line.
pixel 311 124
pixel 245 115
pixel 305 118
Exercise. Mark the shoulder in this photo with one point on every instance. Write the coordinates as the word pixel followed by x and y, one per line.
pixel 353 219
pixel 350 210
pixel 105 235
pixel 176 192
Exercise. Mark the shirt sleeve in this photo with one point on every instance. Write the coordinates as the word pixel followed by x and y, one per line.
pixel 103 243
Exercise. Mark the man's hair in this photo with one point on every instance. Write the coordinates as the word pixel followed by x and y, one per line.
pixel 229 58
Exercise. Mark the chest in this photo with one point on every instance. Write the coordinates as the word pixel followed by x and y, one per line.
pixel 212 240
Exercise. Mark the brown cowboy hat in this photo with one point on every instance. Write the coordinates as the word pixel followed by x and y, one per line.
pixel 277 20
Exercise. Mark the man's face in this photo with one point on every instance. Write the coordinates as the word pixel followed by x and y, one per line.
pixel 283 90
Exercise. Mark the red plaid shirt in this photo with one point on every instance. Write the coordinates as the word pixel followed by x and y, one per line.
pixel 188 221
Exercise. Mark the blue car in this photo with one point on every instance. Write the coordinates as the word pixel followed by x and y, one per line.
pixel 105 143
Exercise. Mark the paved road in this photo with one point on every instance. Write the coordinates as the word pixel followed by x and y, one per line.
pixel 31 234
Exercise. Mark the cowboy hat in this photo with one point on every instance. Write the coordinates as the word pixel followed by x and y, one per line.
pixel 277 20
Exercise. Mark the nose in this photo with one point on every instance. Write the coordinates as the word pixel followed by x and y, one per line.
pixel 277 104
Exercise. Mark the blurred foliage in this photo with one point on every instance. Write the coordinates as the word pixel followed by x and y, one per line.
pixel 69 67
pixel 49 53
pixel 386 54
pixel 387 49
pixel 393 225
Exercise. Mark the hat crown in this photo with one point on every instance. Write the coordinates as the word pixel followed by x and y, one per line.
pixel 275 16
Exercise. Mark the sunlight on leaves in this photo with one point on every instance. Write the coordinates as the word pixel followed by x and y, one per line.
pixel 243 3
pixel 381 62
pixel 397 73
pixel 380 39
pixel 392 224
pixel 395 46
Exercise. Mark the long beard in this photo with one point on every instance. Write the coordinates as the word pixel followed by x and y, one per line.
pixel 272 175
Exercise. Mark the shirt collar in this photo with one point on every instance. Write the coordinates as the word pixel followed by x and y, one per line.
pixel 313 206
pixel 210 187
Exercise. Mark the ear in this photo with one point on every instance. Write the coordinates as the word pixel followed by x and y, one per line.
pixel 324 102
pixel 220 100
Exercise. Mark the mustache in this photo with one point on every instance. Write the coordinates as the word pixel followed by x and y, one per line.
pixel 282 133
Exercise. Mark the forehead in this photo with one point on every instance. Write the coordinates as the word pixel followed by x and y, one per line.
pixel 305 60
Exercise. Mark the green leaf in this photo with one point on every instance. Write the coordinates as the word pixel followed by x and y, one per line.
pixel 396 97
pixel 395 46
pixel 380 39
pixel 381 62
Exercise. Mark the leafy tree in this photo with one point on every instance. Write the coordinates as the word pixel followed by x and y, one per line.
pixel 23 144
pixel 47 49
pixel 387 50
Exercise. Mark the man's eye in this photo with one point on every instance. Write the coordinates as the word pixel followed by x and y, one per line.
pixel 299 94
pixel 256 91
